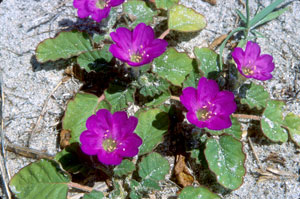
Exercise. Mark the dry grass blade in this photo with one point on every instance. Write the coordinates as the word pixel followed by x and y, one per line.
pixel 218 41
pixel 211 2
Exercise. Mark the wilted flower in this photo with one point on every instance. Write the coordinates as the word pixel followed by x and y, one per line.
pixel 98 9
pixel 137 47
pixel 251 64
pixel 207 106
pixel 110 137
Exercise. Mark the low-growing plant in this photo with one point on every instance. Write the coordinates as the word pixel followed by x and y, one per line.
pixel 132 67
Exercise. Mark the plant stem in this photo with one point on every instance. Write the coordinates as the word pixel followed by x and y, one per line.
pixel 164 34
pixel 80 187
pixel 245 116
pixel 175 98
pixel 248 20
pixel 135 72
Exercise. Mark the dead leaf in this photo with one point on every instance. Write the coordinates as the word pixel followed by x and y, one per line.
pixel 212 2
pixel 274 157
pixel 218 41
pixel 65 136
pixel 183 176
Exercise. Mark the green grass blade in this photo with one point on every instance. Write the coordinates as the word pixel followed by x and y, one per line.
pixel 271 16
pixel 262 14
pixel 242 17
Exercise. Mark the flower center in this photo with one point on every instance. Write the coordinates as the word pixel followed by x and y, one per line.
pixel 102 4
pixel 248 70
pixel 203 113
pixel 136 58
pixel 109 145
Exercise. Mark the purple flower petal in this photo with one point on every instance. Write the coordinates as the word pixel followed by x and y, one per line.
pixel 238 56
pixel 265 63
pixel 223 103
pixel 100 14
pixel 219 122
pixel 207 90
pixel 129 146
pixel 114 3
pixel 252 51
pixel 139 47
pixel 123 125
pixel 109 158
pixel 207 106
pixel 119 53
pixel 91 142
pixel 110 137
pixel 142 36
pixel 189 98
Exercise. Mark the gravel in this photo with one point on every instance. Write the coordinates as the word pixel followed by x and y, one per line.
pixel 27 84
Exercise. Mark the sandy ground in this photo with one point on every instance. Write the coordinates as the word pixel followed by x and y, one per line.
pixel 27 84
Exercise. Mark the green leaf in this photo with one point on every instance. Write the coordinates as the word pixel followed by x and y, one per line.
pixel 95 60
pixel 272 120
pixel 255 96
pixel 70 160
pixel 119 96
pixel 93 195
pixel 139 11
pixel 185 19
pixel 234 130
pixel 165 4
pixel 208 61
pixel 151 85
pixel 135 189
pixel 226 159
pixel 78 111
pixel 262 14
pixel 42 179
pixel 197 193
pixel 63 46
pixel 271 16
pixel 173 66
pixel 192 79
pixel 125 168
pixel 292 123
pixel 195 153
pixel 118 191
pixel 153 123
pixel 159 100
pixel 150 184
pixel 97 38
pixel 153 167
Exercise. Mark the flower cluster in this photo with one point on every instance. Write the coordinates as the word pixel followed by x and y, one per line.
pixel 98 9
pixel 137 47
pixel 207 106
pixel 251 64
pixel 110 137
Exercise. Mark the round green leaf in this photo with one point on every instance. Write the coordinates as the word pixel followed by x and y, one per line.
pixel 226 159
pixel 192 79
pixel 173 66
pixel 256 96
pixel 234 130
pixel 165 4
pixel 150 85
pixel 153 167
pixel 93 195
pixel 151 127
pixel 185 19
pixel 63 46
pixel 78 111
pixel 42 179
pixel 119 96
pixel 207 59
pixel 139 12
pixel 159 100
pixel 94 60
pixel 124 168
pixel 272 120
pixel 292 123
pixel 197 193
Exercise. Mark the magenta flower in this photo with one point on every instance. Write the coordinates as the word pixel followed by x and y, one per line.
pixel 207 106
pixel 251 64
pixel 98 9
pixel 110 137
pixel 137 47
